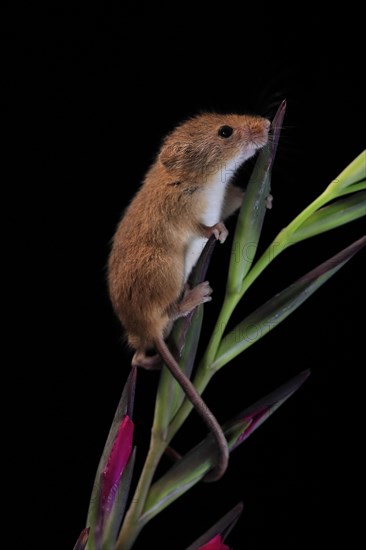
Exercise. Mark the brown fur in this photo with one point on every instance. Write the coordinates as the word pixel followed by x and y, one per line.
pixel 183 197
pixel 146 263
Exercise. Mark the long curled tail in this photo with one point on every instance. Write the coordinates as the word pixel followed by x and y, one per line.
pixel 200 406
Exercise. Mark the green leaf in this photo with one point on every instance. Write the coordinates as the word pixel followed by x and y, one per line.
pixel 196 463
pixel 275 310
pixel 188 356
pixel 329 217
pixel 353 173
pixel 125 407
pixel 222 527
pixel 252 212
pixel 184 343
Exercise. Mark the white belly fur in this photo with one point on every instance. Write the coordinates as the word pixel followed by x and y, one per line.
pixel 214 193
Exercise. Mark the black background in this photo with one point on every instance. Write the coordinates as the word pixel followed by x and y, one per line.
pixel 90 92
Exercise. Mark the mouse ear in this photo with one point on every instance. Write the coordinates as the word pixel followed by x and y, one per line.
pixel 173 154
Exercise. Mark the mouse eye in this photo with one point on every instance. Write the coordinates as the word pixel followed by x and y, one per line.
pixel 225 131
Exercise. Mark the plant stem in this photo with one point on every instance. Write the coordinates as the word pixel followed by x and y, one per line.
pixel 160 438
pixel 283 240
pixel 206 368
pixel 132 524
pixel 230 302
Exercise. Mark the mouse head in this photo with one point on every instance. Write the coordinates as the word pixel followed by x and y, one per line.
pixel 208 141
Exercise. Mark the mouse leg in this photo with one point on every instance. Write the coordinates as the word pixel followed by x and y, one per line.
pixel 192 298
pixel 148 362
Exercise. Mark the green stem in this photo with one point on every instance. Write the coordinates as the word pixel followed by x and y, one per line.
pixel 207 366
pixel 132 525
pixel 283 239
pixel 320 201
pixel 230 303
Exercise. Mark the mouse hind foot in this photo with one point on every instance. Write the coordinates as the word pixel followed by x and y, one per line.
pixel 148 362
pixel 192 298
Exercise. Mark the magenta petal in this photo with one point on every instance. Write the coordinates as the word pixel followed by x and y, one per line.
pixel 252 423
pixel 258 413
pixel 118 458
pixel 215 544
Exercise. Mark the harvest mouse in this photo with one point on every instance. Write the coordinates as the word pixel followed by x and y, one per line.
pixel 183 199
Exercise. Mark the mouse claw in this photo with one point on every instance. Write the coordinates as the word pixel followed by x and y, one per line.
pixel 269 201
pixel 220 232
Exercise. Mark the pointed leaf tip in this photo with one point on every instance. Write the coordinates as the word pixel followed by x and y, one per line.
pixel 82 540
pixel 253 210
pixel 276 127
pixel 222 527
pixel 252 417
pixel 130 391
pixel 335 261
pixel 278 118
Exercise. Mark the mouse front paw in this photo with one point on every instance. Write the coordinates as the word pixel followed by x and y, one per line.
pixel 218 230
pixel 269 201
